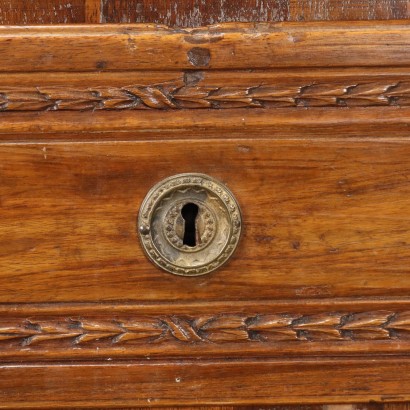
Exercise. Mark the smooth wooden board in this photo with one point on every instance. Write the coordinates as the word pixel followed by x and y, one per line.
pixel 380 124
pixel 116 385
pixel 321 219
pixel 229 46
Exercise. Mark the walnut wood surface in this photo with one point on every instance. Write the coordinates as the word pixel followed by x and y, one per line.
pixel 321 219
pixel 93 11
pixel 230 46
pixel 189 13
pixel 173 383
pixel 23 12
pixel 359 406
pixel 306 124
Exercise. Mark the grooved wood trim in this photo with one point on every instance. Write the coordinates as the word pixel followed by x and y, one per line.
pixel 152 383
pixel 227 46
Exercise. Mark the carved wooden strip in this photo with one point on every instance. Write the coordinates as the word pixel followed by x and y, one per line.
pixel 176 95
pixel 92 331
pixel 222 328
pixel 80 109
pixel 227 46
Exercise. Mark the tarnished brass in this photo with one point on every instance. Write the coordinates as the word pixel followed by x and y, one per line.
pixel 214 226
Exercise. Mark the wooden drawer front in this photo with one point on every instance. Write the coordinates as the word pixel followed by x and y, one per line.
pixel 321 219
pixel 307 125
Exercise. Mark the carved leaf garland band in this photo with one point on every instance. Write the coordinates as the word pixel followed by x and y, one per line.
pixel 177 95
pixel 229 328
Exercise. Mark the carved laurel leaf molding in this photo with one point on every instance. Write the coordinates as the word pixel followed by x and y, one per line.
pixel 178 95
pixel 223 328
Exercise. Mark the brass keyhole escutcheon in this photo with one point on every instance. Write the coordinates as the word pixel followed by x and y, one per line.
pixel 189 224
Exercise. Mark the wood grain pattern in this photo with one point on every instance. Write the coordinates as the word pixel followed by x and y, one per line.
pixel 320 219
pixel 359 406
pixel 93 11
pixel 21 12
pixel 189 13
pixel 219 382
pixel 313 141
pixel 241 124
pixel 231 46
pixel 317 10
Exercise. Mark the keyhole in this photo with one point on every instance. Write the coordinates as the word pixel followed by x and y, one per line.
pixel 189 212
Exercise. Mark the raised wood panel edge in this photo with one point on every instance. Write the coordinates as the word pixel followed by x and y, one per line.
pixel 190 383
pixel 226 46
pixel 242 123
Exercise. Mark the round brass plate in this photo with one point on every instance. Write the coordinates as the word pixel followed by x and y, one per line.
pixel 215 228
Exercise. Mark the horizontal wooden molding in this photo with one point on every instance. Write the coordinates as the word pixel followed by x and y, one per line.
pixel 216 329
pixel 296 103
pixel 178 95
pixel 242 123
pixel 136 332
pixel 217 382
pixel 227 46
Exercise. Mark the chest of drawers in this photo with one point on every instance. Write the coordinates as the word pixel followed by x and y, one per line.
pixel 308 127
